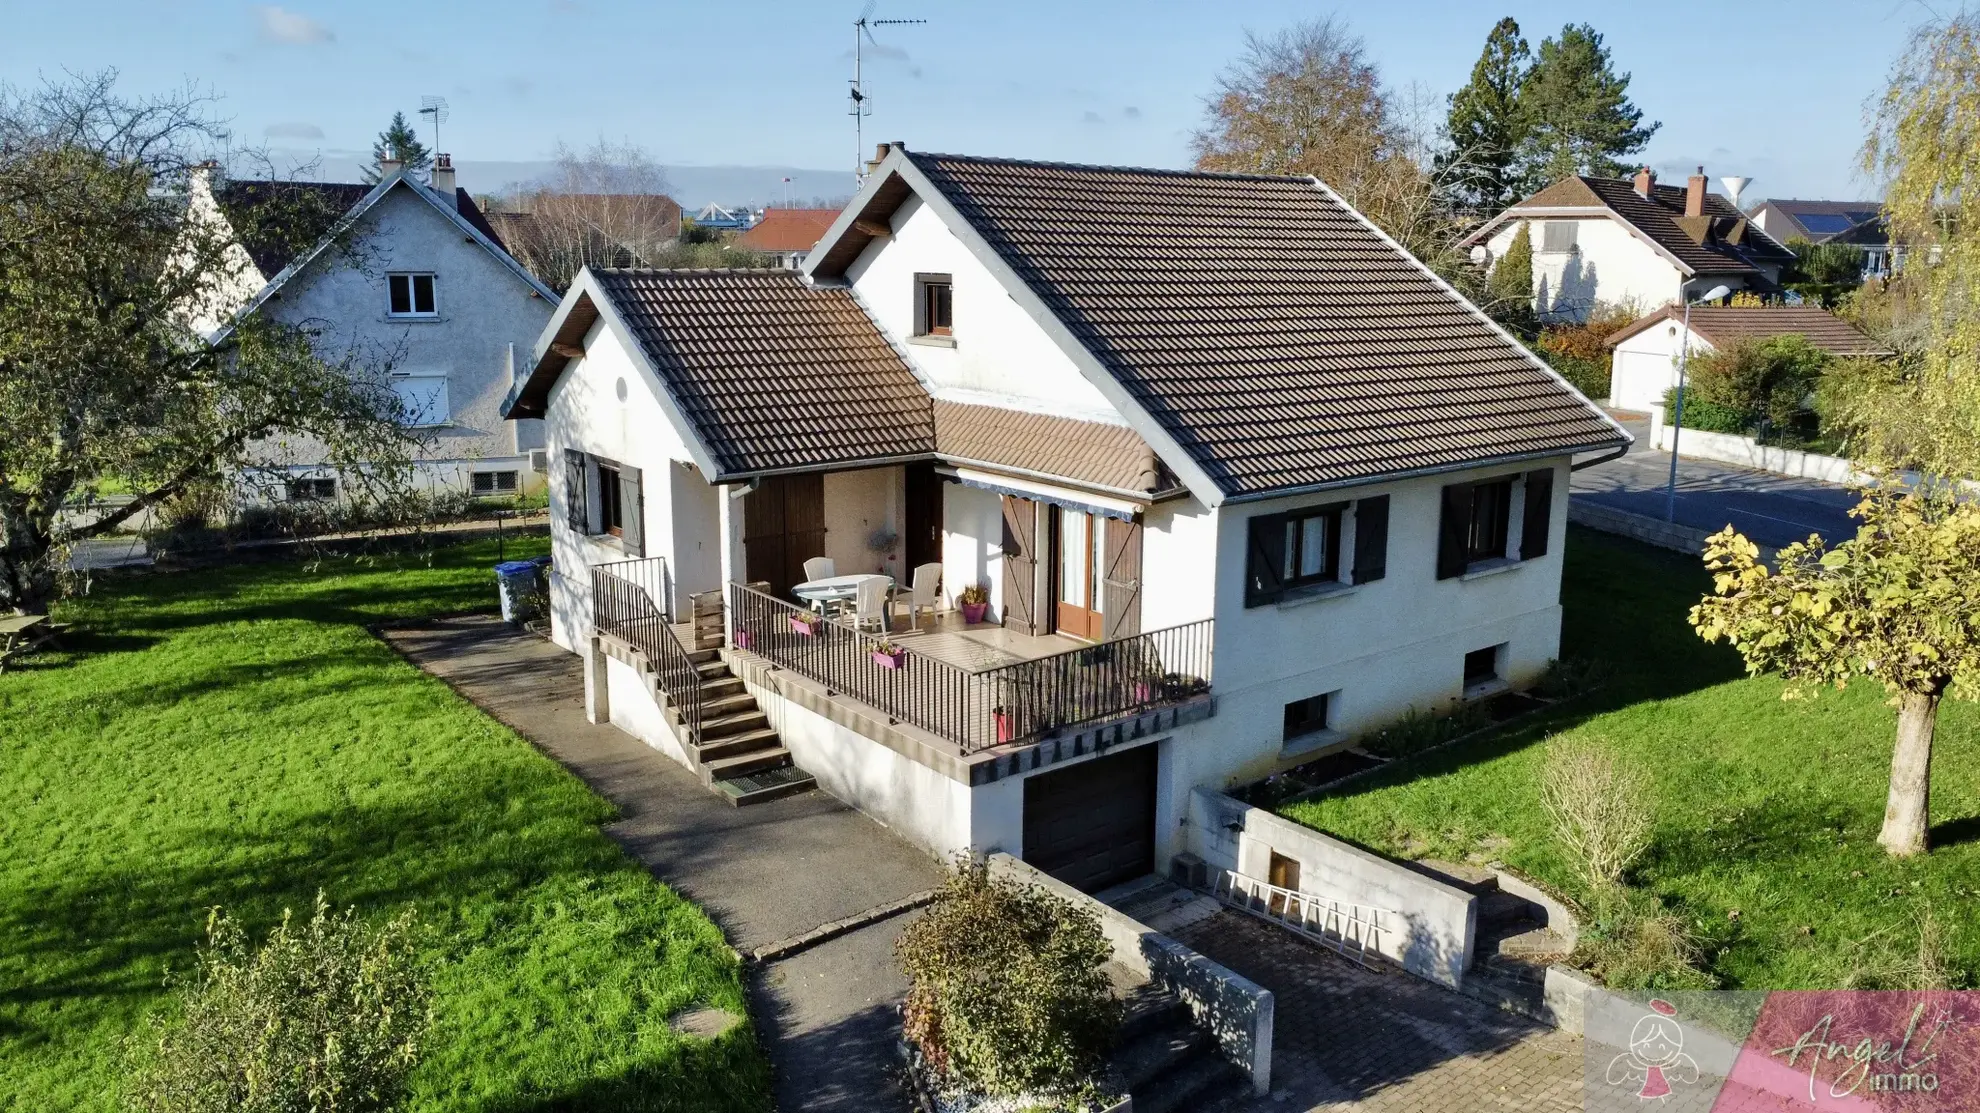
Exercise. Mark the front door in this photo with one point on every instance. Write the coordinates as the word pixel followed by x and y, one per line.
pixel 1078 561
pixel 783 526
pixel 924 517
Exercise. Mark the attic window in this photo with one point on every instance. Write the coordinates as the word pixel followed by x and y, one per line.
pixel 1557 237
pixel 410 295
pixel 934 310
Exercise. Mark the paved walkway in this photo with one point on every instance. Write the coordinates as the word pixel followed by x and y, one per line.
pixel 1347 1038
pixel 764 873
pixel 1774 510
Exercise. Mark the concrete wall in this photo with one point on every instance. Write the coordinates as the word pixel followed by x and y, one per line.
pixel 972 543
pixel 638 713
pixel 1236 1011
pixel 484 307
pixel 1645 366
pixel 1731 448
pixel 1178 563
pixel 1434 931
pixel 857 503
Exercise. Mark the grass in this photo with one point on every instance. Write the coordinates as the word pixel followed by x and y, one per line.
pixel 1768 811
pixel 237 738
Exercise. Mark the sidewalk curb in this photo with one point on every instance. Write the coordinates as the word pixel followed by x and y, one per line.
pixel 785 948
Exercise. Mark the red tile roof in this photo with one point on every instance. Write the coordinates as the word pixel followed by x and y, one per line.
pixel 787 230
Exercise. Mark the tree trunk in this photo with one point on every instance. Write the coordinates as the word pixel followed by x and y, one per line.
pixel 1907 813
pixel 27 575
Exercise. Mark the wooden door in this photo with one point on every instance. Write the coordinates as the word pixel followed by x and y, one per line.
pixel 1092 825
pixel 1283 872
pixel 783 526
pixel 1078 558
pixel 924 517
pixel 1022 611
pixel 1120 583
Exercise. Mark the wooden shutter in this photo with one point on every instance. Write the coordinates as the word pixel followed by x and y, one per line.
pixel 632 513
pixel 1265 560
pixel 1539 516
pixel 1371 539
pixel 764 540
pixel 1021 609
pixel 1120 597
pixel 576 510
pixel 1453 527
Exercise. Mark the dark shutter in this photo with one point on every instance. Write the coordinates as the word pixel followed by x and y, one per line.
pixel 1453 528
pixel 1539 516
pixel 576 512
pixel 1021 610
pixel 632 513
pixel 1371 539
pixel 1265 560
pixel 1120 597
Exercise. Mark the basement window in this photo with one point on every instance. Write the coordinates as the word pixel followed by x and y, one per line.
pixel 494 483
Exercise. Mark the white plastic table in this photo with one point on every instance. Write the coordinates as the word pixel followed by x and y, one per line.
pixel 838 589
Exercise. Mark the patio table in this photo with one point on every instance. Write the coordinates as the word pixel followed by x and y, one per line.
pixel 838 589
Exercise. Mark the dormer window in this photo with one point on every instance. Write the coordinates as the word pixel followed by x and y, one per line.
pixel 934 312
pixel 410 295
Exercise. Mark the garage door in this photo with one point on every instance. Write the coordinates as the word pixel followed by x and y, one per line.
pixel 1093 825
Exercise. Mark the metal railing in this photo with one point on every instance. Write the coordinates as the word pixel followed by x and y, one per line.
pixel 1355 930
pixel 1013 703
pixel 628 602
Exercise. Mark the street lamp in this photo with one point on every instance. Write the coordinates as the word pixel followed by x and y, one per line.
pixel 1677 418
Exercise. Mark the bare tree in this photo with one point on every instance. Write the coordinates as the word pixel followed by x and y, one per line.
pixel 605 206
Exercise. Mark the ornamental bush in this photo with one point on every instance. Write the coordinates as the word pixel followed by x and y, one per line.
pixel 1005 991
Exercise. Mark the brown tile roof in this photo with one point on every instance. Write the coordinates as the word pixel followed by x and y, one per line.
pixel 1724 326
pixel 1086 451
pixel 1725 244
pixel 276 221
pixel 773 374
pixel 1279 340
pixel 787 230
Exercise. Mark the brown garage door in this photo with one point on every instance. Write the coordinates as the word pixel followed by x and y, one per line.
pixel 1093 825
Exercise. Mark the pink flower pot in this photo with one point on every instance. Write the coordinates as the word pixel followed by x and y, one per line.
pixel 973 612
pixel 744 639
pixel 892 660
pixel 806 627
pixel 1144 692
pixel 1003 726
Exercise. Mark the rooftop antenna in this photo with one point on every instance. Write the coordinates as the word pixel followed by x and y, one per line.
pixel 862 105
pixel 435 107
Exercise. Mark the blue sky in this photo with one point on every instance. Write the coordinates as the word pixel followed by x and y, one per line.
pixel 1770 90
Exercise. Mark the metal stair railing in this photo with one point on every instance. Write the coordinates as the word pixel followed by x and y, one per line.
pixel 625 606
pixel 1354 930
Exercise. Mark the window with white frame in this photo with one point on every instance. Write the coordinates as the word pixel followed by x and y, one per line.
pixel 410 295
pixel 422 398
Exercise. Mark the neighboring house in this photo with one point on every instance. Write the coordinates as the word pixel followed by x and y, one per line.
pixel 1225 524
pixel 728 220
pixel 1645 363
pixel 787 235
pixel 1860 224
pixel 427 287
pixel 1632 244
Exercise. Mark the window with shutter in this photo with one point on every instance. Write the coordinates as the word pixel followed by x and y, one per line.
pixel 1537 521
pixel 1453 523
pixel 1265 558
pixel 632 513
pixel 1371 539
pixel 577 512
pixel 1473 526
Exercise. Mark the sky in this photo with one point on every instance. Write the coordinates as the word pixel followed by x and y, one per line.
pixel 1772 91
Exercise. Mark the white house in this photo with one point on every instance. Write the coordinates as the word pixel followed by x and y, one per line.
pixel 1645 362
pixel 1242 480
pixel 1630 244
pixel 410 275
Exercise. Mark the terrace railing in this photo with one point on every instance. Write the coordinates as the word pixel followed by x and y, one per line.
pixel 628 602
pixel 976 710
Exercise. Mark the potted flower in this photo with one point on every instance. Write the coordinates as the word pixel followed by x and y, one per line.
pixel 888 655
pixel 744 639
pixel 975 602
pixel 807 623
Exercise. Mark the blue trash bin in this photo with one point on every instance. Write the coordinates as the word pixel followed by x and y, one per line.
pixel 515 582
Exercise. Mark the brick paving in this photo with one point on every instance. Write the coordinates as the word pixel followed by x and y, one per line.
pixel 1349 1038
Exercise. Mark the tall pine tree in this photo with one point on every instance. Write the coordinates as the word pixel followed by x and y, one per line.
pixel 398 141
pixel 1578 114
pixel 1486 126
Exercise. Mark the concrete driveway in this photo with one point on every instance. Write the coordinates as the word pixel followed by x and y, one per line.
pixel 766 874
pixel 1774 510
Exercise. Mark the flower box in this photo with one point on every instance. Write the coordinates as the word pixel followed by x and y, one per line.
pixel 806 627
pixel 1003 725
pixel 973 612
pixel 890 658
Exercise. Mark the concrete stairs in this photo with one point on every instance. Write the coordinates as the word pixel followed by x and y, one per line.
pixel 1513 946
pixel 739 756
pixel 1165 1061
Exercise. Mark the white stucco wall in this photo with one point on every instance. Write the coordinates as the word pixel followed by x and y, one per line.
pixel 857 504
pixel 1610 266
pixel 484 307
pixel 972 543
pixel 1645 366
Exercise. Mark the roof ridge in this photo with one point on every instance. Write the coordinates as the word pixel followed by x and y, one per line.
pixel 699 271
pixel 1049 164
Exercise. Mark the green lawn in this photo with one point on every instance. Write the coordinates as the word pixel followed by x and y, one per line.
pixel 237 738
pixel 1768 811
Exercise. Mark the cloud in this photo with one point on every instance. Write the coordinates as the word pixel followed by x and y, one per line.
pixel 292 129
pixel 280 25
pixel 1131 112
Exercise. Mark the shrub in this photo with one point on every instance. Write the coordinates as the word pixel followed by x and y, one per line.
pixel 1005 991
pixel 1700 414
pixel 1635 943
pixel 1600 808
pixel 1769 380
pixel 328 1016
pixel 1580 352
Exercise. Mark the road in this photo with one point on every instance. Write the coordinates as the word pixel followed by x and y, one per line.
pixel 1772 509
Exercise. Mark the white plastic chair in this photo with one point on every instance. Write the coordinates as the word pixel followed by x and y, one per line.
pixel 820 568
pixel 924 593
pixel 870 603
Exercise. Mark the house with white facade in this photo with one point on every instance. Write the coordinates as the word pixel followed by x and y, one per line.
pixel 409 275
pixel 1645 363
pixel 1239 478
pixel 1857 224
pixel 1631 244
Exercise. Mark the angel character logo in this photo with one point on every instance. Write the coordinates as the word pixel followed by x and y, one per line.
pixel 1655 1059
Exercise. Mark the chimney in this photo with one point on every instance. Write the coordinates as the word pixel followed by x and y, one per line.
pixel 880 153
pixel 388 167
pixel 1645 179
pixel 1694 194
pixel 443 179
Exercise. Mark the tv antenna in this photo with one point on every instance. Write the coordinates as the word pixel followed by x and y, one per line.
pixel 435 107
pixel 862 105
